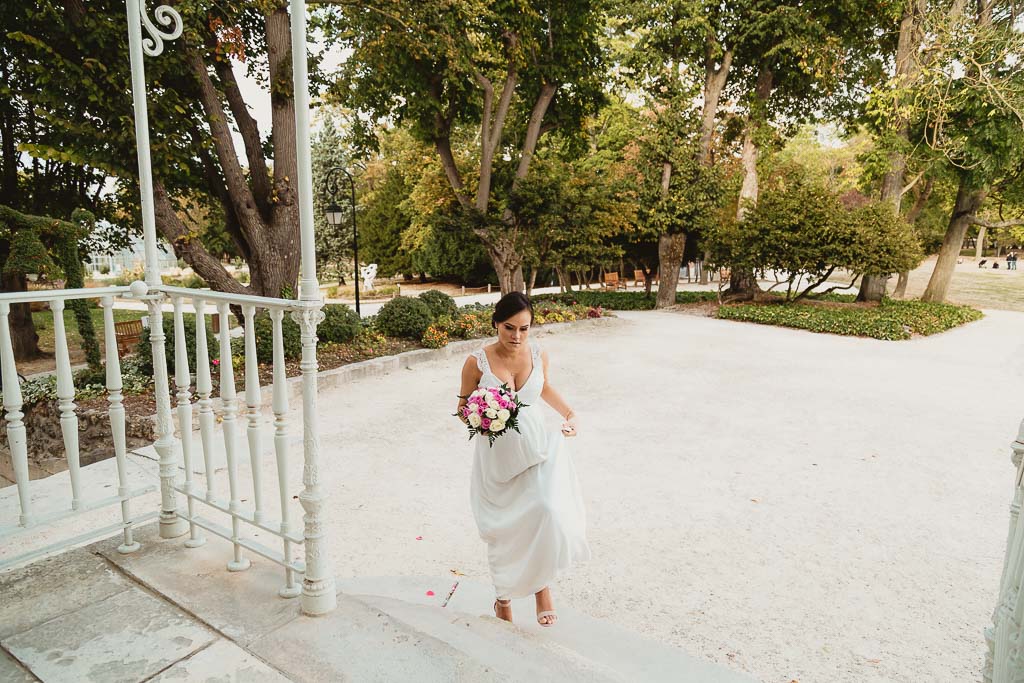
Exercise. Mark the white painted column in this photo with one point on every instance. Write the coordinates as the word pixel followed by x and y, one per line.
pixel 318 592
pixel 230 401
pixel 115 410
pixel 66 402
pixel 183 380
pixel 16 440
pixel 1003 657
pixel 309 288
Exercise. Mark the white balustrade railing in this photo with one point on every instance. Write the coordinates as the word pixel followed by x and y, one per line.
pixel 236 505
pixel 1004 657
pixel 80 500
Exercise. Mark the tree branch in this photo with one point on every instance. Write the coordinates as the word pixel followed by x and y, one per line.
pixel 241 195
pixel 249 131
pixel 188 246
pixel 974 220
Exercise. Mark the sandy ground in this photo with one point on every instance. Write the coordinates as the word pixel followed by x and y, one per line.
pixel 793 505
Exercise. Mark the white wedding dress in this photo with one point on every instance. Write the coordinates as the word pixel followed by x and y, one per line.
pixel 530 515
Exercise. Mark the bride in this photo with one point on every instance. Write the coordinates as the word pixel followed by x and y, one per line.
pixel 524 493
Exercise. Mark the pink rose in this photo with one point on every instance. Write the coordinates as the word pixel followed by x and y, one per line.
pixel 485 423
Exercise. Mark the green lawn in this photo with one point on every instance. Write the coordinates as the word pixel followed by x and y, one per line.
pixel 44 327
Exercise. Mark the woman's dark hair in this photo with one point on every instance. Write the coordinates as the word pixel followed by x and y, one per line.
pixel 509 305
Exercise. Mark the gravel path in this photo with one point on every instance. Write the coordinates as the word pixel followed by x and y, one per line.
pixel 793 505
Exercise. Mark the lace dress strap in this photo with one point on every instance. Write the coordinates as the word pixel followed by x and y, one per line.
pixel 481 360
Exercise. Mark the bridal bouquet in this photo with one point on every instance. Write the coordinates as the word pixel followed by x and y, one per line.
pixel 491 412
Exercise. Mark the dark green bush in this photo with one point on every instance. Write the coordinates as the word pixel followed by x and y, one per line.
pixel 340 325
pixel 145 351
pixel 440 303
pixel 624 301
pixel 890 320
pixel 290 334
pixel 404 317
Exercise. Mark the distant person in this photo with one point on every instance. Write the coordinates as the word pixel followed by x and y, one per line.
pixel 1013 262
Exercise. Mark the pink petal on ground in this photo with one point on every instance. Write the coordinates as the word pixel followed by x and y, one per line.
pixel 430 593
pixel 419 538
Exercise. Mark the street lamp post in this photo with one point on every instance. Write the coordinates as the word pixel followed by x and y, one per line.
pixel 334 217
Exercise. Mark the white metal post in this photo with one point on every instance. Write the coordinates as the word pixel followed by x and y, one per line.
pixel 318 592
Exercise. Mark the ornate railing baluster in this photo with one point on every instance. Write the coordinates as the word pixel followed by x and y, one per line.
pixel 252 406
pixel 291 589
pixel 183 380
pixel 12 405
pixel 117 422
pixel 230 404
pixel 1004 659
pixel 204 387
pixel 66 401
pixel 318 594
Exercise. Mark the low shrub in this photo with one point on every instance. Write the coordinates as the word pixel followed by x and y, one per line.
pixel 290 335
pixel 404 317
pixel 626 301
pixel 145 351
pixel 890 320
pixel 340 324
pixel 440 303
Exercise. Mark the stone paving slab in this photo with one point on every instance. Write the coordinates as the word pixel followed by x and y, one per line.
pixel 54 587
pixel 242 605
pixel 222 662
pixel 127 637
pixel 11 671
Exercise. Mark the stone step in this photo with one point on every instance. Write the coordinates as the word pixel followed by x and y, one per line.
pixel 582 642
pixel 358 642
pixel 515 652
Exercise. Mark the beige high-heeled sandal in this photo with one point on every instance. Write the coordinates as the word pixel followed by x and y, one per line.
pixel 503 603
pixel 550 614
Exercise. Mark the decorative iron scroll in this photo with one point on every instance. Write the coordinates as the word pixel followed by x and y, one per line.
pixel 166 16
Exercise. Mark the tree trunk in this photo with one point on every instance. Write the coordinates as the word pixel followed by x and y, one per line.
pixel 670 255
pixel 980 246
pixel 872 285
pixel 743 283
pixel 901 284
pixel 23 330
pixel 533 281
pixel 968 201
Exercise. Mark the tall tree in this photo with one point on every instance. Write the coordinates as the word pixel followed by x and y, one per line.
pixel 74 69
pixel 512 70
pixel 973 93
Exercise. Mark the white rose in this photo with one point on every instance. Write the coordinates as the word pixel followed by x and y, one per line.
pixel 497 425
pixel 474 420
pixel 503 415
pixel 492 402
pixel 491 413
pixel 474 408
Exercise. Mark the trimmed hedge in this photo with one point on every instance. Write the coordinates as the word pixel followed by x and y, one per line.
pixel 290 335
pixel 890 320
pixel 624 301
pixel 404 317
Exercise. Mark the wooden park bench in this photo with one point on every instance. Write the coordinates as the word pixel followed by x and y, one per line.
pixel 128 334
pixel 641 280
pixel 611 281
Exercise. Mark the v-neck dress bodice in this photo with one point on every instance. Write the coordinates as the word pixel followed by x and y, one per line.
pixel 525 496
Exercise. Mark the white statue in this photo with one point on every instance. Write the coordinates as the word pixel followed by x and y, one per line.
pixel 368 273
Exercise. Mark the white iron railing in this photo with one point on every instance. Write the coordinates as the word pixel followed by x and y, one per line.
pixel 79 501
pixel 1004 658
pixel 257 514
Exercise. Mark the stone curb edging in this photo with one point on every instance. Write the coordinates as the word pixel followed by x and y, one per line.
pixel 375 367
